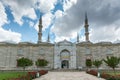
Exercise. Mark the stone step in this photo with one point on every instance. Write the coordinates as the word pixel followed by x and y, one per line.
pixel 65 70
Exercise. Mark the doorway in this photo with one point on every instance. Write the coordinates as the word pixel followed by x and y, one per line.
pixel 65 64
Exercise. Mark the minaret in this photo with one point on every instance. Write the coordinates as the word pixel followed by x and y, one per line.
pixel 86 28
pixel 48 40
pixel 40 30
pixel 77 38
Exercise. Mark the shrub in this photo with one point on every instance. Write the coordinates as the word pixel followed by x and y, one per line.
pixel 41 63
pixel 93 72
pixel 113 79
pixel 32 74
pixel 105 76
pixel 24 62
pixel 43 72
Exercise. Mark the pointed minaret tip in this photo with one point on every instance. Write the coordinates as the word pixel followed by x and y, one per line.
pixel 40 20
pixel 86 19
pixel 77 37
pixel 85 15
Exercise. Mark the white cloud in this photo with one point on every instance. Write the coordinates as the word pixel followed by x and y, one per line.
pixel 61 35
pixel 105 33
pixel 73 35
pixel 9 36
pixel 117 41
pixel 104 15
pixel 21 8
pixel 58 13
pixel 66 27
pixel 100 34
pixel 46 5
pixel 5 35
pixel 31 23
pixel 3 16
pixel 68 4
pixel 25 8
pixel 36 26
pixel 46 21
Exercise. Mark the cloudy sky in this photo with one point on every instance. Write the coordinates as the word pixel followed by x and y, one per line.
pixel 62 19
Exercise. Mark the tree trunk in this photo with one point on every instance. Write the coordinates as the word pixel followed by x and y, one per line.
pixel 114 72
pixel 24 68
pixel 98 72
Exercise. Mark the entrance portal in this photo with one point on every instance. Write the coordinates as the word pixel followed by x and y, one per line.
pixel 65 64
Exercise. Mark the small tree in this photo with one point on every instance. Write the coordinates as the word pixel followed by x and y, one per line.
pixel 112 62
pixel 97 63
pixel 88 63
pixel 24 62
pixel 41 63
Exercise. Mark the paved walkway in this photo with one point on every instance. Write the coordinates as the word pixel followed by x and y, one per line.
pixel 68 76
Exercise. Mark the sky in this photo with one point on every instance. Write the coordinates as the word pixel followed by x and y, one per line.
pixel 62 19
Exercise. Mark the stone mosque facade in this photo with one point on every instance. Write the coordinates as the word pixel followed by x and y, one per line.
pixel 60 55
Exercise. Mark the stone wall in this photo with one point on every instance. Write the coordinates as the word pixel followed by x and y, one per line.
pixel 96 51
pixel 9 53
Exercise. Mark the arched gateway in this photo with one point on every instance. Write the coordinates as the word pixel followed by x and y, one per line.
pixel 65 58
pixel 65 55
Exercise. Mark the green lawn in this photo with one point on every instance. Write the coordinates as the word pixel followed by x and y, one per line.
pixel 111 72
pixel 6 75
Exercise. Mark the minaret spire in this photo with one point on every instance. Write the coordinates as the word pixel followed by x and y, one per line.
pixel 86 19
pixel 77 38
pixel 86 28
pixel 40 30
pixel 48 40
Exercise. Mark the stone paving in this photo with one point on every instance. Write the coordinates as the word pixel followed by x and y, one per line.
pixel 68 76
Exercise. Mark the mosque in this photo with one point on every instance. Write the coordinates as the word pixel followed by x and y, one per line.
pixel 60 55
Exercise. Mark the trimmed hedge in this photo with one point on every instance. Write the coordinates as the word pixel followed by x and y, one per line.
pixel 104 75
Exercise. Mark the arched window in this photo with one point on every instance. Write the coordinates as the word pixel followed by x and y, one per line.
pixel 65 55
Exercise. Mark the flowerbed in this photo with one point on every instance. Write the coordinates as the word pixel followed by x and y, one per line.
pixel 42 72
pixel 104 75
pixel 30 75
pixel 93 72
